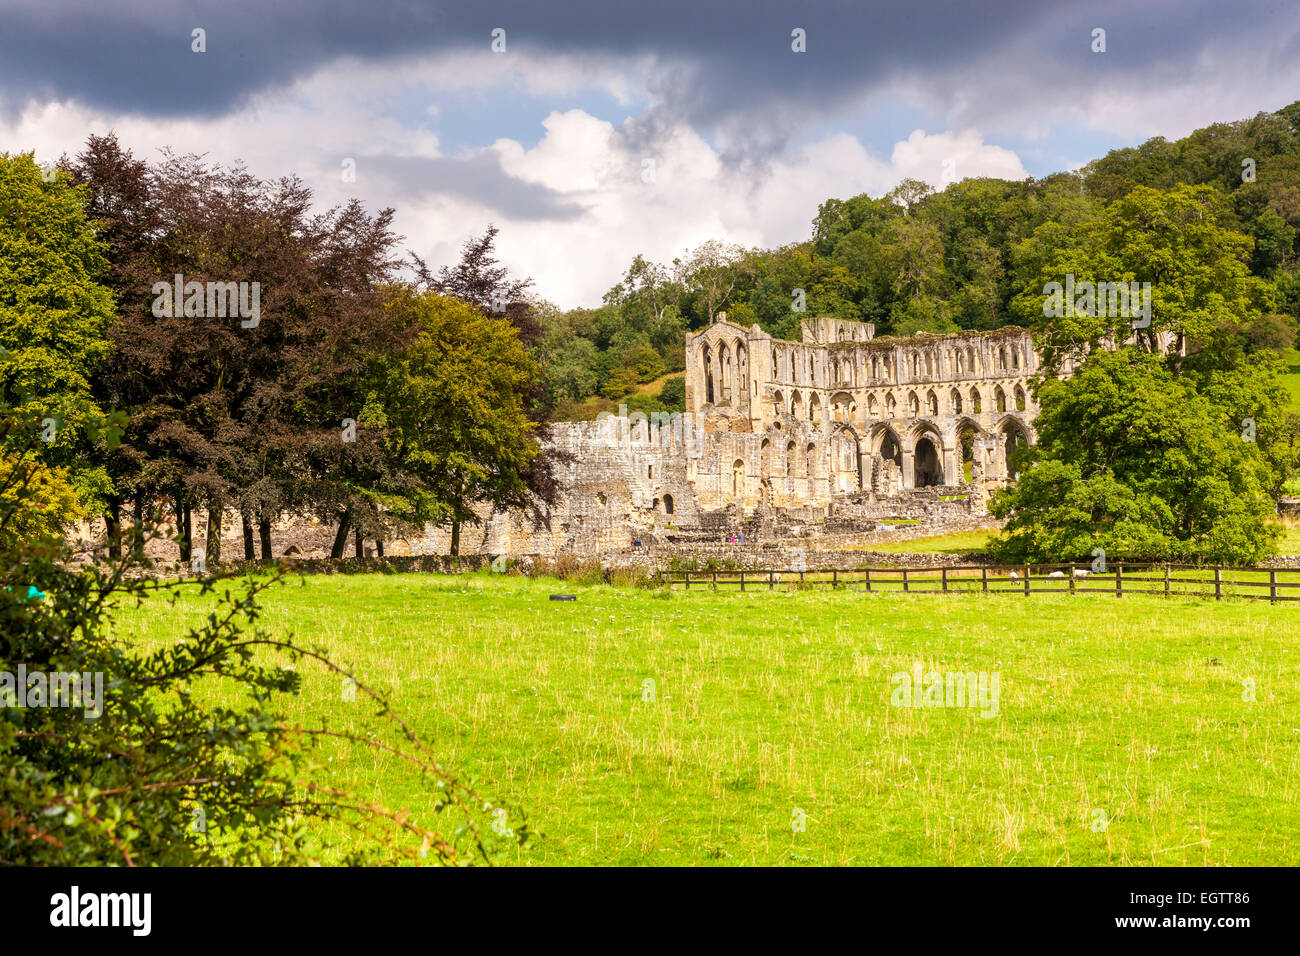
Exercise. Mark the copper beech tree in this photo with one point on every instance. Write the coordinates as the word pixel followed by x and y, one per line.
pixel 279 413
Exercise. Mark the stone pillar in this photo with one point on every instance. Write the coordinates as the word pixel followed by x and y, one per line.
pixel 739 380
pixel 998 460
pixel 760 371
pixel 952 465
pixel 909 470
pixel 695 381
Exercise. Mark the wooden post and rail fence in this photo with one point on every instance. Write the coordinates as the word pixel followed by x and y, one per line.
pixel 1119 579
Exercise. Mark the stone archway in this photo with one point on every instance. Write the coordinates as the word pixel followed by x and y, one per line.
pixel 927 465
pixel 726 375
pixel 886 461
pixel 846 460
pixel 888 446
pixel 706 361
pixel 1012 435
pixel 968 437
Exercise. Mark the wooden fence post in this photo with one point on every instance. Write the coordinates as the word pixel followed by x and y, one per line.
pixel 984 577
pixel 945 580
pixel 1218 584
pixel 1166 580
pixel 866 580
pixel 1026 580
pixel 1119 580
pixel 904 580
pixel 1272 586
pixel 742 580
pixel 1071 577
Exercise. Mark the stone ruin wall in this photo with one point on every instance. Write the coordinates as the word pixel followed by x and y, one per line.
pixel 826 449
pixel 842 411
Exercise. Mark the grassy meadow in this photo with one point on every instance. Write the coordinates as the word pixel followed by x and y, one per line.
pixel 960 542
pixel 769 705
pixel 1291 377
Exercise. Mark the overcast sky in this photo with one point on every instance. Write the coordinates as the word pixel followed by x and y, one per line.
pixel 605 129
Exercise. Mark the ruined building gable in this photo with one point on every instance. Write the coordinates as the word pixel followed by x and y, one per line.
pixel 843 411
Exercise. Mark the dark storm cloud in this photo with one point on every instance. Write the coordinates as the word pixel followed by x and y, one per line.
pixel 722 65
pixel 478 178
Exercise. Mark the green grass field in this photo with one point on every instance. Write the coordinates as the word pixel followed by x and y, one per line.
pixel 1289 542
pixel 964 542
pixel 768 704
pixel 1291 378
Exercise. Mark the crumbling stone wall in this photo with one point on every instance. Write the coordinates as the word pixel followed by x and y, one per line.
pixel 830 437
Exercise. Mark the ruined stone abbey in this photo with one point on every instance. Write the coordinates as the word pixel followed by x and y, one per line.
pixel 838 430
pixel 832 442
pixel 793 424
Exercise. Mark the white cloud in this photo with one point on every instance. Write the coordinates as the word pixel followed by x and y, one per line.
pixel 941 158
pixel 599 167
pixel 693 196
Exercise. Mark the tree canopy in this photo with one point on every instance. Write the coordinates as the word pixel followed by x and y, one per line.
pixel 54 315
pixel 1146 465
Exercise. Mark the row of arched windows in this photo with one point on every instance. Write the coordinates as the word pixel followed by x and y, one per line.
pixel 1011 358
pixel 791 458
pixel 726 366
pixel 787 364
pixel 720 374
pixel 796 408
pixel 844 408
pixel 954 361
pixel 844 460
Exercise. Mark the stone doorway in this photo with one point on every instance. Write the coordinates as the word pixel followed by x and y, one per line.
pixel 928 469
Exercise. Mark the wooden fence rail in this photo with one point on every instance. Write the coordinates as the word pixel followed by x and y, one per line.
pixel 1119 579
